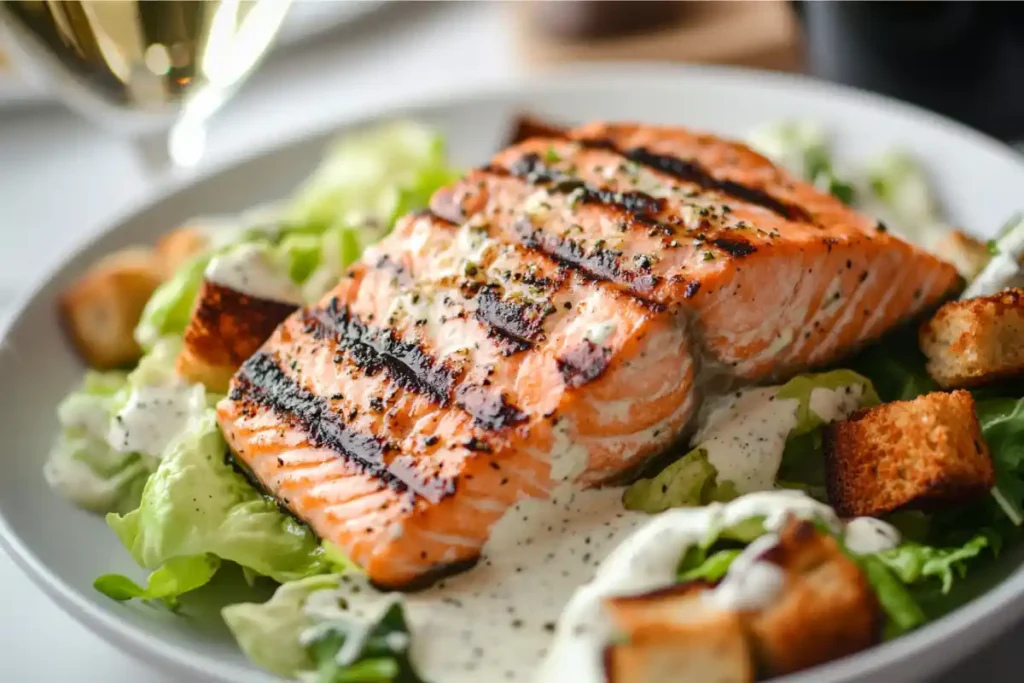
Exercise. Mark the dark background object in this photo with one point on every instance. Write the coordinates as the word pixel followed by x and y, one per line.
pixel 962 59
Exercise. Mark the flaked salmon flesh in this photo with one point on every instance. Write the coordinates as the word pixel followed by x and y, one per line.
pixel 548 320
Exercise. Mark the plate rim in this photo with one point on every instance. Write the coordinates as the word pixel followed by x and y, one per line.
pixel 991 606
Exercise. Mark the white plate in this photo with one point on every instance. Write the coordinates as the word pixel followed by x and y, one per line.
pixel 63 550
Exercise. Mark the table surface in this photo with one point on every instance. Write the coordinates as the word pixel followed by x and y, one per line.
pixel 395 53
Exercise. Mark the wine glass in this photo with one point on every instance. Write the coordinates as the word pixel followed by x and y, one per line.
pixel 151 70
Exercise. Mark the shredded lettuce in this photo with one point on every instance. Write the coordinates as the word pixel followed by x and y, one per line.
pixel 195 507
pixel 801 147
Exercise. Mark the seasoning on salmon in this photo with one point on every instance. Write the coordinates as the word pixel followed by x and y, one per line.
pixel 544 323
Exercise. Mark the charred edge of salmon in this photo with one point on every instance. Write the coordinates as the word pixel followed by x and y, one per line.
pixel 489 409
pixel 516 324
pixel 583 363
pixel 691 171
pixel 598 264
pixel 375 349
pixel 262 381
pixel 431 576
pixel 526 126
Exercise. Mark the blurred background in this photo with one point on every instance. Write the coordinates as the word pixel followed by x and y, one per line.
pixel 88 111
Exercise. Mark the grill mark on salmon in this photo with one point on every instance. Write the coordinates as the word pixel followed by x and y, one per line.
pixel 734 246
pixel 529 167
pixel 599 264
pixel 583 364
pixel 262 381
pixel 693 172
pixel 516 324
pixel 490 409
pixel 376 349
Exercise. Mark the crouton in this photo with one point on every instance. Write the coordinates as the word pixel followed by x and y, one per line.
pixel 976 341
pixel 969 255
pixel 827 609
pixel 101 308
pixel 675 635
pixel 177 247
pixel 226 328
pixel 907 454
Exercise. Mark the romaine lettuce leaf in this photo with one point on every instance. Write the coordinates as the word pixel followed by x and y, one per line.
pixel 371 177
pixel 703 567
pixel 82 467
pixel 176 576
pixel 284 637
pixel 269 633
pixel 902 611
pixel 195 505
pixel 167 312
pixel 687 482
pixel 914 562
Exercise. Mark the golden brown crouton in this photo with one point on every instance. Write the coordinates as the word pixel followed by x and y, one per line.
pixel 225 329
pixel 177 247
pixel 919 453
pixel 101 308
pixel 969 255
pixel 827 609
pixel 976 341
pixel 675 635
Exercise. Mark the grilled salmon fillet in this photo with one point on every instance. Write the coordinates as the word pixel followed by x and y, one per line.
pixel 547 320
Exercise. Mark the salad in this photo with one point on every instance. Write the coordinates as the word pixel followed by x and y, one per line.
pixel 763 510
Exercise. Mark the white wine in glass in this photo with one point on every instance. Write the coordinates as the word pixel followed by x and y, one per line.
pixel 153 70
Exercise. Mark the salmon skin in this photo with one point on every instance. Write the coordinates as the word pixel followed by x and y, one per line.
pixel 551 319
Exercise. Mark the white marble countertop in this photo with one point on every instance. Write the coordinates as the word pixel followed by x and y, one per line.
pixel 393 54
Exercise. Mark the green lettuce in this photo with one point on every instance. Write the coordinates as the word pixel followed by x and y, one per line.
pixel 269 633
pixel 902 611
pixel 802 148
pixel 82 466
pixel 367 180
pixel 688 482
pixel 693 480
pixel 195 508
pixel 282 637
pixel 700 566
pixel 371 177
pixel 914 562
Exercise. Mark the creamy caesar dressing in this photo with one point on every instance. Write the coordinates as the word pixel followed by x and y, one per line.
pixel 867 535
pixel 745 434
pixel 568 458
pixel 154 417
pixel 495 621
pixel 649 559
pixel 247 269
pixel 90 484
pixel 751 583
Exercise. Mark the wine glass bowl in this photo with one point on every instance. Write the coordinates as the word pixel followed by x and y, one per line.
pixel 151 70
